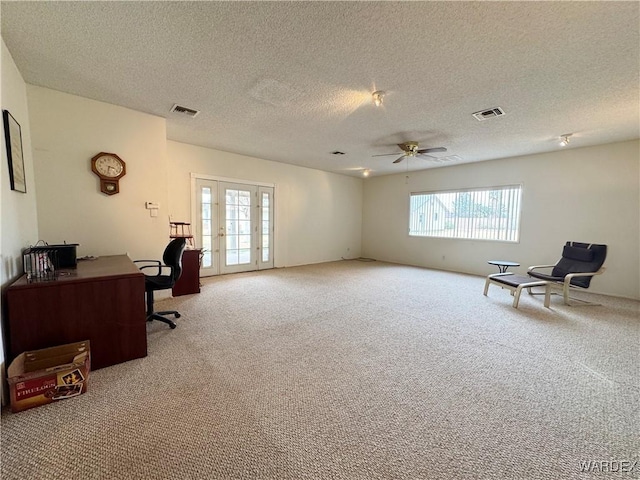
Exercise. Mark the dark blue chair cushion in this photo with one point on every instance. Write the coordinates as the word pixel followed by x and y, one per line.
pixel 577 253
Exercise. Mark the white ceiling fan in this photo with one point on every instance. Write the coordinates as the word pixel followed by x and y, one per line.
pixel 411 149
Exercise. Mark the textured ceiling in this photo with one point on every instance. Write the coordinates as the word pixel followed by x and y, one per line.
pixel 292 81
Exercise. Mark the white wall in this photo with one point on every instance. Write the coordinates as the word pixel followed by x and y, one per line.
pixel 318 215
pixel 67 132
pixel 19 226
pixel 587 194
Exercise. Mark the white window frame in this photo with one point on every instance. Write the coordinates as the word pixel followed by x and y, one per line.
pixel 467 228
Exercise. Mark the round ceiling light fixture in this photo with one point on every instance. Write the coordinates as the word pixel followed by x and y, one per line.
pixel 378 97
pixel 564 139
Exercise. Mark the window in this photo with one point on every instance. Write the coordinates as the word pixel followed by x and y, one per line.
pixel 480 213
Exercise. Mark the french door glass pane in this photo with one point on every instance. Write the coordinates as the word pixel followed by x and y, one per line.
pixel 265 227
pixel 244 227
pixel 238 226
pixel 244 241
pixel 244 256
pixel 206 258
pixel 206 228
pixel 205 212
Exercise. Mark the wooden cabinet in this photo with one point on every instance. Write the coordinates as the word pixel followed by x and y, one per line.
pixel 189 281
pixel 101 301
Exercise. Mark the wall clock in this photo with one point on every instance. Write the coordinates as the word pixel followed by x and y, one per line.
pixel 110 168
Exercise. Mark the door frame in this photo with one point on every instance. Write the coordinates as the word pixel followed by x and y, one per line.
pixel 216 178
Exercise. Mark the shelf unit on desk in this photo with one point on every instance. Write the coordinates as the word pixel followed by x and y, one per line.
pixel 181 230
pixel 101 300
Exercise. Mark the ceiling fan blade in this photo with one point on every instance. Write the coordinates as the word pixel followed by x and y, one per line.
pixel 432 150
pixel 399 159
pixel 384 154
pixel 424 155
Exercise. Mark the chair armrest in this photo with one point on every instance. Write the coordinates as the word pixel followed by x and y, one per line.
pixel 159 268
pixel 534 267
pixel 157 262
pixel 152 263
pixel 569 277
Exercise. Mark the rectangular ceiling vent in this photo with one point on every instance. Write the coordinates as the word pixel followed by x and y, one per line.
pixel 190 112
pixel 486 114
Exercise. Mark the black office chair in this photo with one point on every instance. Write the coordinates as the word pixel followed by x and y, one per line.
pixel 166 276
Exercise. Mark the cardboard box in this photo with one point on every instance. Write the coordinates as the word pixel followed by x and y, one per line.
pixel 44 376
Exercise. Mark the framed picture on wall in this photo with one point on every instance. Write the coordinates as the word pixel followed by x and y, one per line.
pixel 13 140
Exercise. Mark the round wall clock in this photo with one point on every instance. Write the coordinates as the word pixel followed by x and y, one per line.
pixel 110 168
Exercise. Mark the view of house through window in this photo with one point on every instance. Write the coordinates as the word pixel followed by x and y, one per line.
pixel 481 213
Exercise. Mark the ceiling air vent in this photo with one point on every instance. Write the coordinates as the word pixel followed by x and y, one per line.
pixel 190 112
pixel 485 114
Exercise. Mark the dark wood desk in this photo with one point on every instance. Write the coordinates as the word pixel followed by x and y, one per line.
pixel 101 301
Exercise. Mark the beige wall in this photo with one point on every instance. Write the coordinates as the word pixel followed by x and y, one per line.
pixel 67 132
pixel 318 215
pixel 19 221
pixel 19 227
pixel 583 194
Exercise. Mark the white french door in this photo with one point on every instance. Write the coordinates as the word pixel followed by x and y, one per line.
pixel 266 226
pixel 234 226
pixel 206 225
pixel 237 228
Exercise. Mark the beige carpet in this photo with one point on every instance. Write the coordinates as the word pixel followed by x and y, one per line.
pixel 353 370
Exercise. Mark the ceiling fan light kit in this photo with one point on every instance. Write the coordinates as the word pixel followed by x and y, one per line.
pixel 564 139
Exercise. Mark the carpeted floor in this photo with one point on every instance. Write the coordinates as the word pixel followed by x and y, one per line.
pixel 353 370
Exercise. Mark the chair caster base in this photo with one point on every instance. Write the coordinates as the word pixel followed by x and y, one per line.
pixel 159 317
